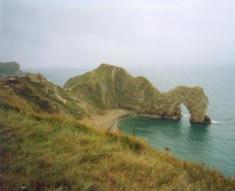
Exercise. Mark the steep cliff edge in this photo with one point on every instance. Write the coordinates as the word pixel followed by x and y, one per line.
pixel 9 69
pixel 111 87
pixel 33 94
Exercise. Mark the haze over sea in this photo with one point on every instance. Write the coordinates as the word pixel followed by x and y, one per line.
pixel 213 145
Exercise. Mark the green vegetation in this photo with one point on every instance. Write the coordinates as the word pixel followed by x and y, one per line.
pixel 44 153
pixel 32 93
pixel 111 87
pixel 44 147
pixel 9 69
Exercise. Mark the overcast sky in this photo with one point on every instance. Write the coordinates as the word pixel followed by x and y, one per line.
pixel 81 33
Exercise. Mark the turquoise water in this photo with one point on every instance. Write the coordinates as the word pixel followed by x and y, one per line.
pixel 194 143
pixel 213 145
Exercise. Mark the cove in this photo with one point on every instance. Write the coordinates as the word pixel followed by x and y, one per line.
pixel 191 142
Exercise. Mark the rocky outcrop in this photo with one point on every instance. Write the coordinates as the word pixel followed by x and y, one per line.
pixel 111 87
pixel 193 98
pixel 9 69
pixel 32 93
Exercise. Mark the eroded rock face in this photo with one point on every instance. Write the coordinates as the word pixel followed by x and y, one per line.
pixel 110 87
pixel 33 94
pixel 193 98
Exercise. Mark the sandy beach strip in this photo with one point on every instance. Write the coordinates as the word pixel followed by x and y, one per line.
pixel 108 120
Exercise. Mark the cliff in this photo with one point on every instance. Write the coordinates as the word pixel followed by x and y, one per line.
pixel 32 93
pixel 111 87
pixel 9 69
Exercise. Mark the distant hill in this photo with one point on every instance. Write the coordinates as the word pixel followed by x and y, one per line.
pixel 111 87
pixel 9 69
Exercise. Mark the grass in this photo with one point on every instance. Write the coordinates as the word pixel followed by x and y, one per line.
pixel 55 154
pixel 110 87
pixel 29 96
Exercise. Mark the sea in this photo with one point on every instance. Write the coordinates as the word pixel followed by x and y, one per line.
pixel 212 145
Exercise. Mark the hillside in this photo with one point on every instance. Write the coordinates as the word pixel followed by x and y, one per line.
pixel 111 87
pixel 9 69
pixel 33 94
pixel 54 154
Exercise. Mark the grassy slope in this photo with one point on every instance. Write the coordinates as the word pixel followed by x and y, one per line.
pixel 111 87
pixel 55 154
pixel 34 94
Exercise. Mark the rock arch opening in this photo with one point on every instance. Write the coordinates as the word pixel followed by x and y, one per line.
pixel 184 111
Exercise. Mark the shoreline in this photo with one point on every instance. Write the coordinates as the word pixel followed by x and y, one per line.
pixel 108 120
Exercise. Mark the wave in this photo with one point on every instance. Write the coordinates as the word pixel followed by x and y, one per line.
pixel 214 122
